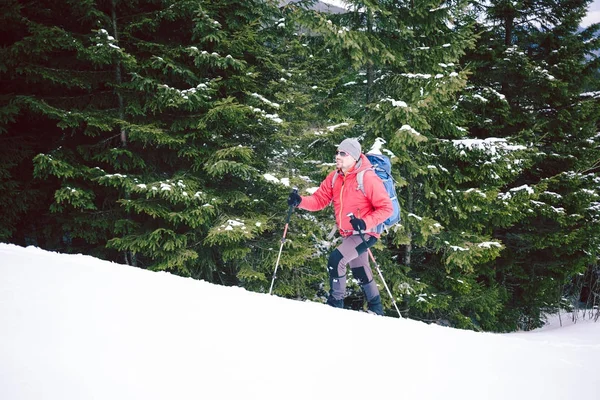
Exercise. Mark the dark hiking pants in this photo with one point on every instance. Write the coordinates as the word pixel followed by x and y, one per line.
pixel 352 252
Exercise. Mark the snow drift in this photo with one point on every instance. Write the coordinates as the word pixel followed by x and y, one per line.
pixel 75 327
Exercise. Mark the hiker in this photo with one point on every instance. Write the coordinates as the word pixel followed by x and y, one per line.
pixel 369 208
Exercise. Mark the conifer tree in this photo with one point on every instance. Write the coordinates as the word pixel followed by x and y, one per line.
pixel 401 74
pixel 308 94
pixel 459 167
pixel 39 70
pixel 441 243
pixel 162 132
pixel 531 67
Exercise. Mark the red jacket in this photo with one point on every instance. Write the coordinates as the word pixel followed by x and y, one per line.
pixel 373 207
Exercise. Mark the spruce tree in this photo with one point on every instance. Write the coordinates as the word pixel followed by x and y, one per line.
pixel 162 132
pixel 441 244
pixel 42 79
pixel 400 76
pixel 530 70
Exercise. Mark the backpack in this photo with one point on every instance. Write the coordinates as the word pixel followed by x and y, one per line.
pixel 382 166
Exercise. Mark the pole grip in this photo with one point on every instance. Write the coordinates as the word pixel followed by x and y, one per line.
pixel 360 232
pixel 291 209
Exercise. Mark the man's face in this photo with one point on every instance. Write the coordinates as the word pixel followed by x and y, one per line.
pixel 343 160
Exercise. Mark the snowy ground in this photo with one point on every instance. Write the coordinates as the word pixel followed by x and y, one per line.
pixel 74 327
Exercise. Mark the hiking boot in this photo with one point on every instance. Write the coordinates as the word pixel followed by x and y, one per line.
pixel 335 302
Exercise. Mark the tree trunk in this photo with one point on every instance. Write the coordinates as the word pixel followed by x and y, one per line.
pixel 130 257
pixel 409 209
pixel 508 33
pixel 118 77
pixel 370 67
pixel 508 28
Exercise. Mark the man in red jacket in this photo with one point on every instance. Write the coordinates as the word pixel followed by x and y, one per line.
pixel 370 209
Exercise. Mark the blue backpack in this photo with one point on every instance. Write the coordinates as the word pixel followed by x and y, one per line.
pixel 382 166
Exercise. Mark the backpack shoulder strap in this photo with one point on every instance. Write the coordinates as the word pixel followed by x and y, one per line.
pixel 360 178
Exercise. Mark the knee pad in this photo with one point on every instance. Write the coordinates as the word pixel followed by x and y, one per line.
pixel 360 274
pixel 371 291
pixel 364 246
pixel 334 261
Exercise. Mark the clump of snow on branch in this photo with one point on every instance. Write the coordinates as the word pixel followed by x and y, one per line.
pixel 409 129
pixel 487 245
pixel 378 148
pixel 273 117
pixel 103 36
pixel 395 103
pixel 490 145
pixel 331 128
pixel 265 100
pixel 272 178
pixel 232 224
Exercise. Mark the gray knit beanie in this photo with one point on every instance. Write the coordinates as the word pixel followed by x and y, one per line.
pixel 350 146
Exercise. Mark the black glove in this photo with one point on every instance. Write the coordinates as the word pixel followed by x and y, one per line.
pixel 358 224
pixel 294 199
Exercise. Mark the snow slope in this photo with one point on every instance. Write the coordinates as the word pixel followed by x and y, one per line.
pixel 75 327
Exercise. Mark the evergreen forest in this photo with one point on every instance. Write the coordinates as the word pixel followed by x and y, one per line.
pixel 167 135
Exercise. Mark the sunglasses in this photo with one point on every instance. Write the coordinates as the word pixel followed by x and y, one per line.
pixel 341 153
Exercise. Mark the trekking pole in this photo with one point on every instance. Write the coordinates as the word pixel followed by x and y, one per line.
pixel 360 232
pixel 287 222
